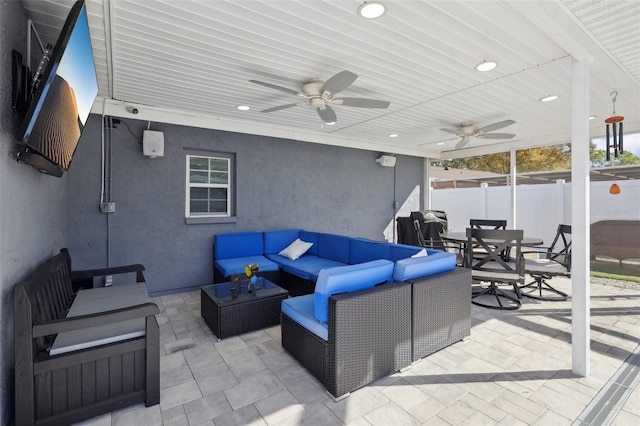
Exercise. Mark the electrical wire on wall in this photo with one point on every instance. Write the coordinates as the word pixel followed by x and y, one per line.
pixel 395 205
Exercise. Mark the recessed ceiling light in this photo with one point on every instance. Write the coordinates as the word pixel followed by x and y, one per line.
pixel 549 98
pixel 372 9
pixel 440 143
pixel 592 117
pixel 393 135
pixel 243 107
pixel 485 66
pixel 331 123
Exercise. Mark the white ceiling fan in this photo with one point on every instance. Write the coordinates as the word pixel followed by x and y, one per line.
pixel 466 131
pixel 320 94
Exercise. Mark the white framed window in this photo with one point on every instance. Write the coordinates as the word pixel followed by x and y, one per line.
pixel 208 191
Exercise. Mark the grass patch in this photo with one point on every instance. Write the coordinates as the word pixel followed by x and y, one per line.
pixel 612 270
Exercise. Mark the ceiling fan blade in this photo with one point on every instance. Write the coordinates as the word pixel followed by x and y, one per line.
pixel 462 143
pixel 274 86
pixel 497 135
pixel 496 126
pixel 339 82
pixel 278 108
pixel 452 131
pixel 361 102
pixel 327 115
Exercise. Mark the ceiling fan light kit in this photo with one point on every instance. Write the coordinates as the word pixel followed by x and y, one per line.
pixel 466 131
pixel 372 9
pixel 320 94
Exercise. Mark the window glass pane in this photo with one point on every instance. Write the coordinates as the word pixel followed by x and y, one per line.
pixel 218 194
pixel 198 206
pixel 219 165
pixel 218 177
pixel 218 206
pixel 199 193
pixel 198 163
pixel 198 177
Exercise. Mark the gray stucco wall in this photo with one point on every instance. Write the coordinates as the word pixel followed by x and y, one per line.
pixel 33 206
pixel 280 184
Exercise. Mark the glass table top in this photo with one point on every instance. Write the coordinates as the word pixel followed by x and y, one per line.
pixel 228 294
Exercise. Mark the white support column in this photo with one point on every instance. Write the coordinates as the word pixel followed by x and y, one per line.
pixel 426 184
pixel 580 279
pixel 514 167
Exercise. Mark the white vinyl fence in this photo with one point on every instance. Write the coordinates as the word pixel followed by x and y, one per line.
pixel 539 208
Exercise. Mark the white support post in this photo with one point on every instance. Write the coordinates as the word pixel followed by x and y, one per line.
pixel 580 278
pixel 483 201
pixel 426 184
pixel 514 167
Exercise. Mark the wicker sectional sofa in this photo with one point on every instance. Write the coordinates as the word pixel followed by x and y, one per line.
pixel 363 309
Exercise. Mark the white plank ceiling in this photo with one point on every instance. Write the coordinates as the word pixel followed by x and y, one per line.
pixel 190 62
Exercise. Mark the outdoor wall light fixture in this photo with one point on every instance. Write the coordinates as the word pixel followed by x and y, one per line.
pixel 616 125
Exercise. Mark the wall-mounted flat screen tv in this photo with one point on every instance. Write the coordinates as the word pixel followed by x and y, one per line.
pixel 62 103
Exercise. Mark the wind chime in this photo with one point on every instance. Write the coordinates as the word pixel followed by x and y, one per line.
pixel 616 126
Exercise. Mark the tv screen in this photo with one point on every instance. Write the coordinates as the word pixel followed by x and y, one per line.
pixel 62 103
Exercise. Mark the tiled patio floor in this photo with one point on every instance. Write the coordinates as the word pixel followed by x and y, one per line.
pixel 514 370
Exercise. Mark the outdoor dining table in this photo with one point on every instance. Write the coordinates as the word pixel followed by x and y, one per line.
pixel 461 238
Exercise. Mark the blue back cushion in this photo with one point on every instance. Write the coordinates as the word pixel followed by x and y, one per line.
pixel 435 263
pixel 343 279
pixel 401 251
pixel 334 247
pixel 276 241
pixel 237 244
pixel 310 237
pixel 362 250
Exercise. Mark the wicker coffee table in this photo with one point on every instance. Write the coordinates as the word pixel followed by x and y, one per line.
pixel 229 313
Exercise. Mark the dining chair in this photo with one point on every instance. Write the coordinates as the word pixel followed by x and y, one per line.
pixel 429 224
pixel 478 252
pixel 494 269
pixel 547 262
pixel 488 223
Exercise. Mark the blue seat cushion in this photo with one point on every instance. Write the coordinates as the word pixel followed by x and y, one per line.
pixel 362 250
pixel 306 266
pixel 300 310
pixel 344 279
pixel 237 244
pixel 334 247
pixel 276 241
pixel 236 265
pixel 434 263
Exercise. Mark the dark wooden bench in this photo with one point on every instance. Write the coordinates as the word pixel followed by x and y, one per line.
pixel 79 384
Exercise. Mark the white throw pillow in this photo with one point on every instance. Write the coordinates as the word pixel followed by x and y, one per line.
pixel 296 249
pixel 421 253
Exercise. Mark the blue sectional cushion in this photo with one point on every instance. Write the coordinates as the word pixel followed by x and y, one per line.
pixel 362 250
pixel 275 241
pixel 402 251
pixel 334 247
pixel 310 237
pixel 236 265
pixel 237 244
pixel 306 267
pixel 300 309
pixel 345 279
pixel 435 263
